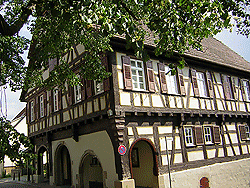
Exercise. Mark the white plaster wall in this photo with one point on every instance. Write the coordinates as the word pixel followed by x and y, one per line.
pixel 100 144
pixel 230 175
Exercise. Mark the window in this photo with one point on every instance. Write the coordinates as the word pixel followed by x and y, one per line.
pixel 244 131
pixel 32 113
pixel 55 97
pixel 98 87
pixel 246 91
pixel 201 82
pixel 41 106
pixel 171 82
pixel 188 131
pixel 208 135
pixel 198 135
pixel 138 78
pixel 77 93
pixel 247 132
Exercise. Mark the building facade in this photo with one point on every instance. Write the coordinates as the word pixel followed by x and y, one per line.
pixel 142 123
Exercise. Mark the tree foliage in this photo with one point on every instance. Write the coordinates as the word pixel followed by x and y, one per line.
pixel 13 144
pixel 57 25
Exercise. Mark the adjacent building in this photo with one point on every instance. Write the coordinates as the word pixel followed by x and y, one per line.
pixel 130 129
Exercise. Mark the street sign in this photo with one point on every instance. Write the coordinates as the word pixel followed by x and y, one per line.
pixel 122 149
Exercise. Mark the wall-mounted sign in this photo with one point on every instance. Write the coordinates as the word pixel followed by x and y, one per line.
pixel 122 149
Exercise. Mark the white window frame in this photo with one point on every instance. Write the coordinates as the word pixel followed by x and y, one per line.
pixel 189 136
pixel 77 93
pixel 41 106
pixel 55 99
pixel 99 87
pixel 247 132
pixel 208 135
pixel 246 90
pixel 172 84
pixel 138 79
pixel 201 82
pixel 32 113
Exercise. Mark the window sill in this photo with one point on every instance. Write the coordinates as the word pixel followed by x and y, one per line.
pixel 190 145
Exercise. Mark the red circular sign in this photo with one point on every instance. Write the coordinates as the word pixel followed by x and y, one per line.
pixel 122 149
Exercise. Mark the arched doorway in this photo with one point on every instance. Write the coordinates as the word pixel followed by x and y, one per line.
pixel 43 163
pixel 63 166
pixel 90 172
pixel 143 163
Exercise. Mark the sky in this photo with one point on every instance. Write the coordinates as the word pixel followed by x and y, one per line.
pixel 238 43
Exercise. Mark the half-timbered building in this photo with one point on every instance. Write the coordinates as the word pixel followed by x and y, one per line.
pixel 143 124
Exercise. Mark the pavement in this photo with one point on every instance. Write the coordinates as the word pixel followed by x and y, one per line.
pixel 23 183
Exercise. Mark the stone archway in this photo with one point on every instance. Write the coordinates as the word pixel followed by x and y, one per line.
pixel 63 174
pixel 90 172
pixel 143 163
pixel 43 163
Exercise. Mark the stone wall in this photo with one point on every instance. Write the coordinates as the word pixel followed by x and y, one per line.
pixel 228 174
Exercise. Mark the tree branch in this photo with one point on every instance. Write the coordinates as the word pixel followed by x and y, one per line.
pixel 7 30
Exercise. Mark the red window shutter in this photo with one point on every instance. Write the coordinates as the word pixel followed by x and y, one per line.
pixel 162 76
pixel 83 89
pixel 181 81
pixel 198 130
pixel 45 103
pixel 127 74
pixel 70 95
pixel 52 63
pixel 226 86
pixel 234 87
pixel 59 99
pixel 216 134
pixel 210 84
pixel 51 104
pixel 89 88
pixel 151 78
pixel 106 84
pixel 243 134
pixel 242 89
pixel 194 82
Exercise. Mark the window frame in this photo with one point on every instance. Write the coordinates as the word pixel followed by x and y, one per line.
pixel 246 89
pixel 247 128
pixel 190 128
pixel 56 99
pixel 41 106
pixel 207 135
pixel 137 69
pixel 95 87
pixel 202 85
pixel 32 111
pixel 172 82
pixel 77 93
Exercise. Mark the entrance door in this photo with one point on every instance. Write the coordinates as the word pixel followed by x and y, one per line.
pixel 63 170
pixel 91 173
pixel 144 165
pixel 43 163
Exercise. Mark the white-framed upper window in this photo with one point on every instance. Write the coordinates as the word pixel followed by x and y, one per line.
pixel 189 139
pixel 55 97
pixel 98 85
pixel 41 101
pixel 77 93
pixel 208 135
pixel 138 78
pixel 171 81
pixel 32 113
pixel 201 82
pixel 246 89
